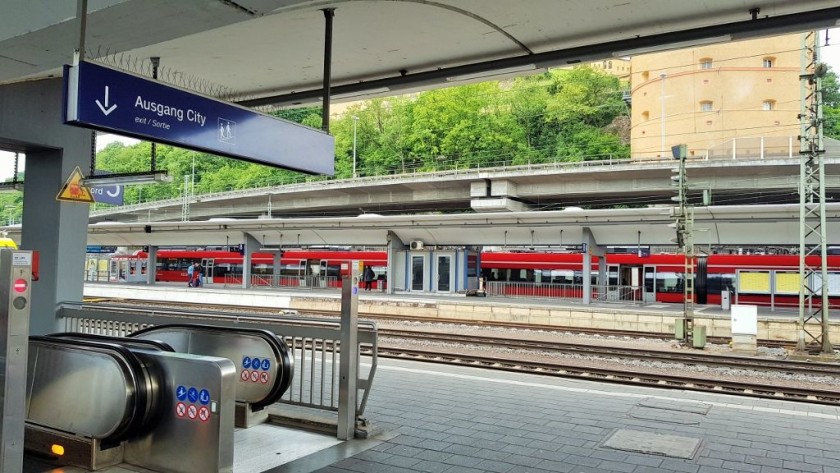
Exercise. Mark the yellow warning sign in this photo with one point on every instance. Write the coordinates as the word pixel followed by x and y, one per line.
pixel 74 190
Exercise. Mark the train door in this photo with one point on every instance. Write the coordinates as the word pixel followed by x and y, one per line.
pixel 301 273
pixel 629 281
pixel 208 264
pixel 418 272
pixel 119 270
pixel 649 291
pixel 322 273
pixel 444 273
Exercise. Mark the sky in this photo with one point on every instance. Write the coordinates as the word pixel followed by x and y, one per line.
pixel 830 55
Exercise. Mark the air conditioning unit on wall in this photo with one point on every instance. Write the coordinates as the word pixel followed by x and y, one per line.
pixel 416 245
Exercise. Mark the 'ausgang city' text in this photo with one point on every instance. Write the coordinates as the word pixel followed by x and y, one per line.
pixel 162 110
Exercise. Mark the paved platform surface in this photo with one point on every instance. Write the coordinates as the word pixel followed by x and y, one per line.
pixel 439 418
pixel 277 297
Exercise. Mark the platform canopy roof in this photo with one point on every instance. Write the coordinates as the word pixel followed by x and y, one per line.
pixel 725 225
pixel 271 52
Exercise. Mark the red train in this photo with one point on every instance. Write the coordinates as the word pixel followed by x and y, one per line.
pixel 752 279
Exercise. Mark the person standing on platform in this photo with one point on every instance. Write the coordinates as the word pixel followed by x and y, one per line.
pixel 190 275
pixel 197 273
pixel 368 277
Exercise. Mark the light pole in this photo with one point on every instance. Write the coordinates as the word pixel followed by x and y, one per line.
pixel 355 121
pixel 662 118
pixel 10 209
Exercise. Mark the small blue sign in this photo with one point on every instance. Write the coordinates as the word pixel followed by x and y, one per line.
pixel 255 363
pixel 192 394
pixel 266 364
pixel 181 393
pixel 106 99
pixel 246 362
pixel 112 194
pixel 204 396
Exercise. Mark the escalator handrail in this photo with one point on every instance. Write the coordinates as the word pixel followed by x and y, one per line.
pixel 142 343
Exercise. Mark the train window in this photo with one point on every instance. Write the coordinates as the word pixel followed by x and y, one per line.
pixel 555 276
pixel 833 282
pixel 612 275
pixel 669 282
pixel 717 283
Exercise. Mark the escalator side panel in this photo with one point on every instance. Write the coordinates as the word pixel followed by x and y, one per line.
pixel 256 385
pixel 179 443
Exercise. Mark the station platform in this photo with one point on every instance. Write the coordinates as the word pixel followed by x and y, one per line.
pixel 778 324
pixel 445 419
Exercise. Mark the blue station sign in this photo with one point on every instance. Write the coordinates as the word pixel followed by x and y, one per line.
pixel 117 102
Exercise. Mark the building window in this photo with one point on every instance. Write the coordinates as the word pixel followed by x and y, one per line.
pixel 768 62
pixel 768 105
pixel 645 115
pixel 706 106
pixel 706 63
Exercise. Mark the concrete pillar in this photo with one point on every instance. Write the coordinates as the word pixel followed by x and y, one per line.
pixel 151 266
pixel 395 247
pixel 31 122
pixel 251 247
pixel 275 272
pixel 591 248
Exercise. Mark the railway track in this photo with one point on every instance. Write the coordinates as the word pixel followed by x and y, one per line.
pixel 627 377
pixel 688 357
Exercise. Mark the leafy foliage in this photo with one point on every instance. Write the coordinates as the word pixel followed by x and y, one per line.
pixel 558 115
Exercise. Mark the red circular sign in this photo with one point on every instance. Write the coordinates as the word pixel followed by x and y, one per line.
pixel 264 377
pixel 20 285
pixel 180 409
pixel 204 414
pixel 255 376
pixel 192 411
pixel 245 375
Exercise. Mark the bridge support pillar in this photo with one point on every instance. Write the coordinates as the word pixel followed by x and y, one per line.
pixel 493 196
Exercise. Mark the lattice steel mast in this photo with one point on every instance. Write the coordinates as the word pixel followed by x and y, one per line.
pixel 683 216
pixel 813 273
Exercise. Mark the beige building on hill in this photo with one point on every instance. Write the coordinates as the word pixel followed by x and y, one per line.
pixel 737 98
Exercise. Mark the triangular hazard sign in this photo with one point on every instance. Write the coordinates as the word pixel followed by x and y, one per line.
pixel 74 190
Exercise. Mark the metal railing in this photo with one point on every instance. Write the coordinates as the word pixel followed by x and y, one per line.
pixel 565 292
pixel 290 282
pixel 97 276
pixel 315 344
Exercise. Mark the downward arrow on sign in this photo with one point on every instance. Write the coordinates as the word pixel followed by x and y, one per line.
pixel 105 108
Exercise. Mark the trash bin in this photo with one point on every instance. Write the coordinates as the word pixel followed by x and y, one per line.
pixel 698 339
pixel 383 285
pixel 725 299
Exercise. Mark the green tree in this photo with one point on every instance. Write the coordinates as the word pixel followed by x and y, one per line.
pixel 831 105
